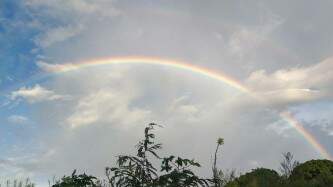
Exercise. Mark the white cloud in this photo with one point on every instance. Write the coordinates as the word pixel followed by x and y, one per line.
pixel 36 94
pixel 54 67
pixel 297 85
pixel 68 12
pixel 246 41
pixel 185 110
pixel 280 128
pixel 48 67
pixel 328 130
pixel 288 96
pixel 106 106
pixel 17 119
pixel 13 168
pixel 56 35
pixel 71 6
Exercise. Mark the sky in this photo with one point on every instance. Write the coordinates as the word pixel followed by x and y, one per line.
pixel 53 122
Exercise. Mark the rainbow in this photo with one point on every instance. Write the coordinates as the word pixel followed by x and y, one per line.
pixel 152 61
pixel 219 76
pixel 287 116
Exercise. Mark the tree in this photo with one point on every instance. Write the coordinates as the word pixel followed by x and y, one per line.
pixel 178 173
pixel 288 164
pixel 81 180
pixel 314 172
pixel 138 171
pixel 260 177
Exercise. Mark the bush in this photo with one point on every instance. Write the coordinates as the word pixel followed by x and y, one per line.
pixel 75 180
pixel 260 177
pixel 314 173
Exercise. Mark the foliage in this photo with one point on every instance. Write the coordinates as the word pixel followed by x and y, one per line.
pixel 314 172
pixel 175 171
pixel 138 171
pixel 81 180
pixel 225 177
pixel 178 173
pixel 260 177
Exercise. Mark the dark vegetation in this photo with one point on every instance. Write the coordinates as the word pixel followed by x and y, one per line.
pixel 174 171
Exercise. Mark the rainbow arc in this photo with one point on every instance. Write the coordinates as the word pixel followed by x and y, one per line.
pixel 60 68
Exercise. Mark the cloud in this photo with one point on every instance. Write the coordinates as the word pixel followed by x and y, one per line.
pixel 73 7
pixel 296 85
pixel 67 12
pixel 110 105
pixel 36 94
pixel 106 106
pixel 323 124
pixel 14 168
pixel 328 129
pixel 56 35
pixel 17 119
pixel 245 41
pixel 48 67
pixel 280 127
pixel 185 110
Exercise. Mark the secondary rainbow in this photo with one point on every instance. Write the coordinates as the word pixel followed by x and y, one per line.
pixel 59 68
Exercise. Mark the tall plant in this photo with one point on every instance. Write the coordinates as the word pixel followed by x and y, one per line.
pixel 138 171
pixel 216 172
